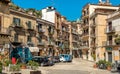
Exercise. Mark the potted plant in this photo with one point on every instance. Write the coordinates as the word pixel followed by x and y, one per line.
pixel 95 65
pixel 15 67
pixel 109 65
pixel 23 65
pixel 6 63
pixel 34 65
pixel 102 64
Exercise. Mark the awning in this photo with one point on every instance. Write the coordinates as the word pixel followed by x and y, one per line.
pixel 34 49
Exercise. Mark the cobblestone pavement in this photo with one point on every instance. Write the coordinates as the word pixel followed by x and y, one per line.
pixel 77 66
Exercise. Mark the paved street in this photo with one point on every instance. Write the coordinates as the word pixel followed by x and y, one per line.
pixel 78 66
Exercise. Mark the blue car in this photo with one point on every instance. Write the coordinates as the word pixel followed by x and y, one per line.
pixel 65 57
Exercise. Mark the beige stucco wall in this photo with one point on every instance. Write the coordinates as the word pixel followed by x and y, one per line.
pixel 24 19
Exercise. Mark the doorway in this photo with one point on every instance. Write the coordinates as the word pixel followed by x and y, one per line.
pixel 110 56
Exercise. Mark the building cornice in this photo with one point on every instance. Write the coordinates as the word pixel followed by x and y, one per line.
pixel 22 13
pixel 45 21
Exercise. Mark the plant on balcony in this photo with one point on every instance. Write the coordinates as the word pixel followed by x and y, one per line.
pixel 117 40
pixel 38 14
pixel 13 6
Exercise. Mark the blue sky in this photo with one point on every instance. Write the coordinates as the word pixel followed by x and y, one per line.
pixel 68 8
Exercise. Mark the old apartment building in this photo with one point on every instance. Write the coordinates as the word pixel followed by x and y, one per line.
pixel 93 29
pixel 113 37
pixel 4 22
pixel 44 36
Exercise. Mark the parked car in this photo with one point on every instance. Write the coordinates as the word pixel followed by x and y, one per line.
pixel 51 62
pixel 43 61
pixel 56 59
pixel 65 57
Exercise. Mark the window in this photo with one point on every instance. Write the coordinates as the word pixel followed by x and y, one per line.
pixel 110 38
pixel 94 21
pixel 16 37
pixel 29 25
pixel 110 26
pixel 29 39
pixel 40 38
pixel 16 21
pixel 39 27
pixel 50 29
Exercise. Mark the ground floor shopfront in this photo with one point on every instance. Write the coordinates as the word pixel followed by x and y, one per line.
pixel 77 53
pixel 94 54
pixel 113 54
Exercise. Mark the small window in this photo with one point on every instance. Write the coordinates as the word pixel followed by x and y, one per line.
pixel 16 21
pixel 29 39
pixel 29 25
pixel 16 37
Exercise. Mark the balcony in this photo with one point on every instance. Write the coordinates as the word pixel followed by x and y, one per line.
pixel 74 31
pixel 93 45
pixel 85 47
pixel 16 41
pixel 40 30
pixel 50 31
pixel 85 26
pixel 85 16
pixel 30 43
pixel 93 25
pixel 31 28
pixel 93 35
pixel 85 36
pixel 16 25
pixel 110 30
pixel 50 43
pixel 75 40
pixel 66 38
pixel 66 46
pixel 4 31
pixel 108 43
pixel 40 43
pixel 75 48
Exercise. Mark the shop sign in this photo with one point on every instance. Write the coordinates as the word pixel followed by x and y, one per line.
pixel 108 48
pixel 116 57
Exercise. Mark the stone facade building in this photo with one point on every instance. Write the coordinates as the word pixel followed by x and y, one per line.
pixel 113 36
pixel 93 29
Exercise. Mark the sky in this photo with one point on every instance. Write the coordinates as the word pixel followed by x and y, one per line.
pixel 71 9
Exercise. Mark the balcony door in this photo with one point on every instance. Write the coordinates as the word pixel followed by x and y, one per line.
pixel 110 56
pixel 110 26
